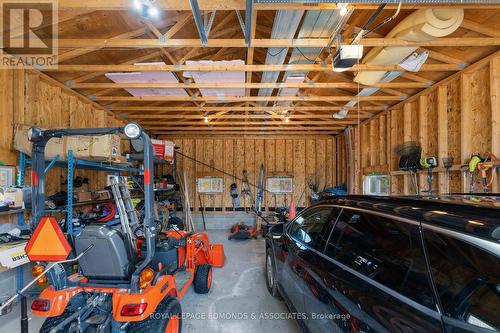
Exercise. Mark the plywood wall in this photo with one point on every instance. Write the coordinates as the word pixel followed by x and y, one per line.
pixel 31 98
pixel 304 159
pixel 455 118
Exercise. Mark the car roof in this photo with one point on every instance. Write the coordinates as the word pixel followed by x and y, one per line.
pixel 476 215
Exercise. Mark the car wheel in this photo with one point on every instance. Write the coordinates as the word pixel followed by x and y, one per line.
pixel 271 282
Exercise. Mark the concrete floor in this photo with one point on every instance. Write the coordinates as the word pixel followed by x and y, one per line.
pixel 238 291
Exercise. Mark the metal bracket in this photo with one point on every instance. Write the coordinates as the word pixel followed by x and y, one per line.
pixel 242 24
pixel 246 26
pixel 199 22
pixel 248 22
pixel 208 25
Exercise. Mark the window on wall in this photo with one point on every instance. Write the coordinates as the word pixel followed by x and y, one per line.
pixel 313 227
pixel 376 185
pixel 384 250
pixel 467 280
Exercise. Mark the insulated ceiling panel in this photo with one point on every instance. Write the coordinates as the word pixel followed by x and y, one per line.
pixel 148 77
pixel 219 77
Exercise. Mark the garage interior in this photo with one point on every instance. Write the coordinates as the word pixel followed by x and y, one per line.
pixel 230 86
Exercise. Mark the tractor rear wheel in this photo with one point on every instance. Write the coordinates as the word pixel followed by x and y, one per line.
pixel 203 279
pixel 167 318
pixel 52 322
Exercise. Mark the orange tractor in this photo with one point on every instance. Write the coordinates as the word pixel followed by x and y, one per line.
pixel 124 282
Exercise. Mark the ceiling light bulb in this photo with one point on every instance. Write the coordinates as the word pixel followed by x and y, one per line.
pixel 342 8
pixel 153 12
pixel 138 4
pixel 205 119
pixel 287 118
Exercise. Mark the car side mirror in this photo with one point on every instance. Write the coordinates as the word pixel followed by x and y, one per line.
pixel 277 231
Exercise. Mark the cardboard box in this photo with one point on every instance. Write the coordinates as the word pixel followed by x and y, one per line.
pixel 101 195
pixel 83 196
pixel 95 148
pixel 12 255
pixel 81 146
pixel 105 148
pixel 14 197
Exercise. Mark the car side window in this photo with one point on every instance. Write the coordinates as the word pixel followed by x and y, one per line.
pixel 384 250
pixel 467 280
pixel 313 227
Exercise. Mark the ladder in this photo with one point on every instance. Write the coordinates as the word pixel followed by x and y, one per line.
pixel 126 209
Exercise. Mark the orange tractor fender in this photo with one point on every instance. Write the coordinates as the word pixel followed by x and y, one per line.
pixel 152 295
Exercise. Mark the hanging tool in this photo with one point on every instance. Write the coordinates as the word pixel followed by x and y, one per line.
pixel 489 163
pixel 472 167
pixel 259 198
pixel 447 164
pixel 409 160
pixel 429 163
pixel 260 190
pixel 245 189
pixel 202 213
pixel 234 194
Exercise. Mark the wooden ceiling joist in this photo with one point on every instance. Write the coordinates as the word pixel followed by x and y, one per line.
pixel 238 116
pixel 291 123
pixel 482 29
pixel 317 108
pixel 270 43
pixel 241 5
pixel 245 68
pixel 243 98
pixel 309 85
pixel 241 128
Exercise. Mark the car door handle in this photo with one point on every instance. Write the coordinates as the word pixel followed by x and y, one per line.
pixel 298 269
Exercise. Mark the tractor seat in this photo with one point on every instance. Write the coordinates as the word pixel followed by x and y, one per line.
pixel 110 259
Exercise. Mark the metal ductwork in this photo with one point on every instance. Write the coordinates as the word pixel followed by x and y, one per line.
pixel 316 24
pixel 285 25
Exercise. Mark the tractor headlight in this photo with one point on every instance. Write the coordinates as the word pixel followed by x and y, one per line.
pixel 132 131
pixel 34 134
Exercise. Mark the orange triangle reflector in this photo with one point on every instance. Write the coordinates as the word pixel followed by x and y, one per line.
pixel 48 242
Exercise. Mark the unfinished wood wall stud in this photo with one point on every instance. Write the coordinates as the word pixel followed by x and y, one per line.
pixel 455 118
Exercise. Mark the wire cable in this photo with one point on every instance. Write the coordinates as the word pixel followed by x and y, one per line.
pixel 275 54
pixel 219 170
pixel 308 59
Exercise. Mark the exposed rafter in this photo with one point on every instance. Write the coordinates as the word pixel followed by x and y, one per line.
pixel 245 68
pixel 241 5
pixel 312 85
pixel 267 43
pixel 243 98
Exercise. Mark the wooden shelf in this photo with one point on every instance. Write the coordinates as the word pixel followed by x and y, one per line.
pixel 13 211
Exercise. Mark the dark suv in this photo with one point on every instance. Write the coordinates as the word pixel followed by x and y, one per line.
pixel 390 264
